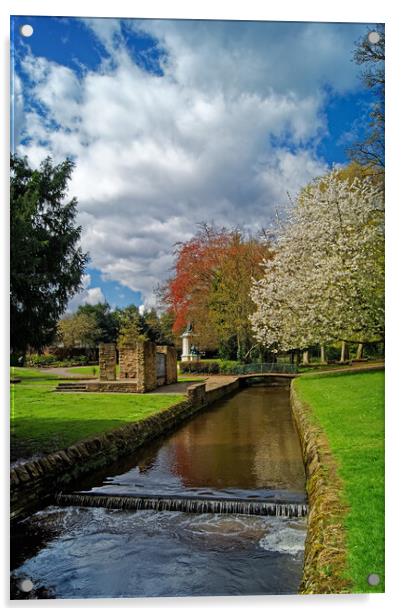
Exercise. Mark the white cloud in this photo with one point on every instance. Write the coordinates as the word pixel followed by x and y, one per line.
pixel 17 110
pixel 89 295
pixel 156 154
pixel 258 56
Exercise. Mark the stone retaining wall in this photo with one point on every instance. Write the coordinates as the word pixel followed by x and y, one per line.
pixel 124 387
pixel 325 550
pixel 34 484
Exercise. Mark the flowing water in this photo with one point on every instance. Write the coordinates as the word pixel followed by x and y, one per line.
pixel 243 448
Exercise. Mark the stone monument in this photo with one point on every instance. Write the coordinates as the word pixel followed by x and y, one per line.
pixel 188 353
pixel 144 366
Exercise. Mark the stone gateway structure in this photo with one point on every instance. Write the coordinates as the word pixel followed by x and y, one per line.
pixel 144 366
pixel 138 362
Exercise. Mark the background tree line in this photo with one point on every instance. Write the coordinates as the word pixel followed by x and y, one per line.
pixel 92 324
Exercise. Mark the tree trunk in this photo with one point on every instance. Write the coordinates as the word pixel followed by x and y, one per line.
pixel 322 355
pixel 239 349
pixel 359 351
pixel 305 357
pixel 343 351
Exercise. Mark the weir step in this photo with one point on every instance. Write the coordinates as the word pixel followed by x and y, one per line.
pixel 185 504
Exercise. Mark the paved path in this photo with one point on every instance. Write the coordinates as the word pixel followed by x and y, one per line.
pixel 211 382
pixel 175 388
pixel 66 372
pixel 363 367
pixel 217 380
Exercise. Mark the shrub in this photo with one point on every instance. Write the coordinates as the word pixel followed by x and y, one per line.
pixel 228 366
pixel 80 360
pixel 206 366
pixel 199 367
pixel 41 360
pixel 52 360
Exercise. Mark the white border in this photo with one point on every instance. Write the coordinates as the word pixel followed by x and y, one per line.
pixel 307 10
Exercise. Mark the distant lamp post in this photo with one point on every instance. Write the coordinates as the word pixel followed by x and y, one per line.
pixel 188 349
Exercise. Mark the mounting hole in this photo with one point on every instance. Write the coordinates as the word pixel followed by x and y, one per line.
pixel 373 37
pixel 373 579
pixel 26 30
pixel 25 585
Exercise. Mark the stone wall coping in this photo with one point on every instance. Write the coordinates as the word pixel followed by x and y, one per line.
pixel 325 549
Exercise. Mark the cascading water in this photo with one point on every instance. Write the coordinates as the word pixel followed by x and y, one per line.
pixel 215 508
pixel 188 505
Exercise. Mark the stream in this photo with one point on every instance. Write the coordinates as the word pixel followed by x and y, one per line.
pixel 242 447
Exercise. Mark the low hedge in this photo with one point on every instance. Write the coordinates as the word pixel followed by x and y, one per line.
pixel 208 366
pixel 36 360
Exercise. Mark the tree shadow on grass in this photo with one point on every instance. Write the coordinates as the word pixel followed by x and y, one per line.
pixel 33 437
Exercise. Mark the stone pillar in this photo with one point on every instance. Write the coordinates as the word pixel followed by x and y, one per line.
pixel 128 361
pixel 146 366
pixel 107 361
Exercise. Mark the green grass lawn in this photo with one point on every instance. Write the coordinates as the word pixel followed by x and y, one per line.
pixel 30 374
pixel 43 420
pixel 350 409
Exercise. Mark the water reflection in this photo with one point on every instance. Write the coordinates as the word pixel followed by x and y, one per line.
pixel 246 445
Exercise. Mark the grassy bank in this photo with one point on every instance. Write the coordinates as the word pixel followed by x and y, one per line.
pixel 350 409
pixel 43 421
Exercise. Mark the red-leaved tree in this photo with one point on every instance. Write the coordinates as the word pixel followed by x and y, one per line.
pixel 210 286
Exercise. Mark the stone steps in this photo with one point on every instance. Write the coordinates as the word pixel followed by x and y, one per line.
pixel 71 387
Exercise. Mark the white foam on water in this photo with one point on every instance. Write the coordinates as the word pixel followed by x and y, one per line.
pixel 287 539
pixel 226 524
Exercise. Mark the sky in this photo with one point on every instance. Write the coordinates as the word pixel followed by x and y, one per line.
pixel 172 123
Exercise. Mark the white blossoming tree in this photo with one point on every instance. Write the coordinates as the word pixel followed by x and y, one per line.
pixel 326 282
